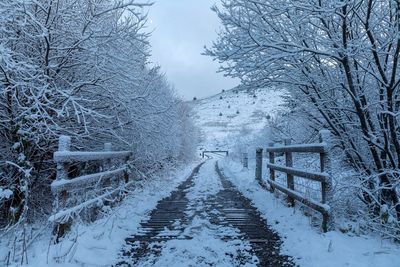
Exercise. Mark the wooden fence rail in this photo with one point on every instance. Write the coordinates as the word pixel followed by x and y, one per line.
pixel 109 179
pixel 324 176
pixel 215 152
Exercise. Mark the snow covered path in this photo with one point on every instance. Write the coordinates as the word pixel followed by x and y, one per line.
pixel 205 222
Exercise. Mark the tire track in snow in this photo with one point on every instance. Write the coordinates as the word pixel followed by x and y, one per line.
pixel 205 222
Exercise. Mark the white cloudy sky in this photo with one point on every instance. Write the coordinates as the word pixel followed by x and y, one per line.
pixel 181 29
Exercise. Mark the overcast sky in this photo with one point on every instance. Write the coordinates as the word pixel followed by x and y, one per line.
pixel 181 29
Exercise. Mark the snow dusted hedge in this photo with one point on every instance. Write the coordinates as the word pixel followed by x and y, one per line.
pixel 79 68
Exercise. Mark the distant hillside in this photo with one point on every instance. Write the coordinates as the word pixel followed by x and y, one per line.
pixel 222 116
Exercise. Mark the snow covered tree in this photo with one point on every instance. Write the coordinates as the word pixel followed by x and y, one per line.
pixel 340 56
pixel 80 68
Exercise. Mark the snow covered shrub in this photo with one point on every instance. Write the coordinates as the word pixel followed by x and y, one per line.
pixel 79 68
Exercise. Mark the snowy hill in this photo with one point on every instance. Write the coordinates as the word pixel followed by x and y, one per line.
pixel 225 115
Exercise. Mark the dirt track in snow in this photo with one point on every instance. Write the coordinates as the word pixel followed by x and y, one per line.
pixel 204 222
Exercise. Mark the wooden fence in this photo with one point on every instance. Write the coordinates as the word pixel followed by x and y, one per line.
pixel 215 152
pixel 109 179
pixel 323 177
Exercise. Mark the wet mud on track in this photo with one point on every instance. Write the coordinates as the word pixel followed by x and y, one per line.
pixel 227 208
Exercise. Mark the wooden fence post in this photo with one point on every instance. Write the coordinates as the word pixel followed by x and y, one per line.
pixel 245 160
pixel 108 148
pixel 289 177
pixel 259 163
pixel 126 173
pixel 271 156
pixel 107 165
pixel 326 186
pixel 64 145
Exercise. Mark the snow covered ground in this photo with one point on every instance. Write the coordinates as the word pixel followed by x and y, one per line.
pixel 229 113
pixel 305 243
pixel 206 245
pixel 205 248
pixel 100 243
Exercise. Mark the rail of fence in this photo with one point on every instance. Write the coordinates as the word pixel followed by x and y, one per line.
pixel 214 152
pixel 75 194
pixel 323 177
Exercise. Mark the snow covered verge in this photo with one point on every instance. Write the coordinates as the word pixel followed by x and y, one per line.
pixel 305 243
pixel 99 243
